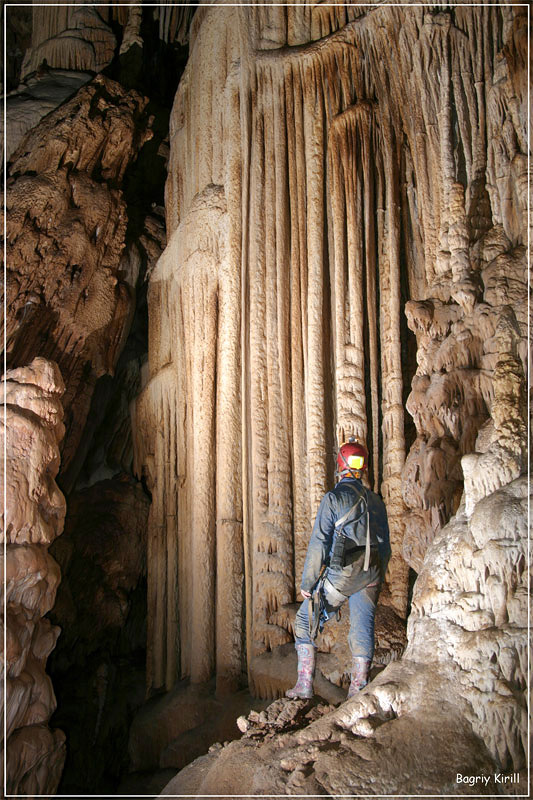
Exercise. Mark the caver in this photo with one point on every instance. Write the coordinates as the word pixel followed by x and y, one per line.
pixel 346 559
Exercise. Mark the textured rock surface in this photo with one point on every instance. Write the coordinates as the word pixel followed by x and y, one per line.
pixel 36 97
pixel 66 226
pixel 85 227
pixel 330 169
pixel 327 193
pixel 421 751
pixel 470 609
pixel 32 518
pixel 455 704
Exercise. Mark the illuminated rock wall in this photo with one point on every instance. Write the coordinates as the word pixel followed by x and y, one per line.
pixel 70 277
pixel 335 174
pixel 32 519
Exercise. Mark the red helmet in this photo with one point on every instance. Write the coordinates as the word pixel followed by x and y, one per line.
pixel 352 457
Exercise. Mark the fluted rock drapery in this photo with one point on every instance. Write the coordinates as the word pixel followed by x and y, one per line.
pixel 327 165
pixel 82 37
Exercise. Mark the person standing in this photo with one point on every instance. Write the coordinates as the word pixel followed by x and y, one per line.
pixel 347 557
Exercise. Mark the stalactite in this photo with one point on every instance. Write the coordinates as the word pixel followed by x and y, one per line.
pixel 69 37
pixel 353 405
pixel 391 371
pixel 258 359
pixel 313 123
pixel 229 605
pixel 371 296
pixel 297 256
pixel 203 301
pixel 163 555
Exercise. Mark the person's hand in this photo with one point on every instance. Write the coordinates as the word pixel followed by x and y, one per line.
pixel 304 593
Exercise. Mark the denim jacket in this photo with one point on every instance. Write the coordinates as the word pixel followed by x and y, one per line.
pixel 333 506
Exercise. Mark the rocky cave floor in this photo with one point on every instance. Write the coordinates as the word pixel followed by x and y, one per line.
pixel 192 741
pixel 290 746
pixel 139 745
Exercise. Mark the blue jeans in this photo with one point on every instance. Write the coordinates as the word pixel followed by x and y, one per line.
pixel 362 614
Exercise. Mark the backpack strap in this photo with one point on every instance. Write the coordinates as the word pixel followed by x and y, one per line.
pixel 344 519
pixel 367 547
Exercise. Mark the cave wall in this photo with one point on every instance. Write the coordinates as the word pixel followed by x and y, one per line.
pixel 334 174
pixel 85 224
pixel 98 664
pixel 70 279
pixel 33 518
pixel 71 291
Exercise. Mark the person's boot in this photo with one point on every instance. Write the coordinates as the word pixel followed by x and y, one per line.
pixel 306 670
pixel 359 675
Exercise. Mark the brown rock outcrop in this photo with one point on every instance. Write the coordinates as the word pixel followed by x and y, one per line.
pixel 66 225
pixel 32 519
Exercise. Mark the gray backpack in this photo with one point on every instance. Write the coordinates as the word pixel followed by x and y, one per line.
pixel 353 566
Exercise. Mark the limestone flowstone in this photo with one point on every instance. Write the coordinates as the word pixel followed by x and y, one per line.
pixel 338 183
pixel 32 518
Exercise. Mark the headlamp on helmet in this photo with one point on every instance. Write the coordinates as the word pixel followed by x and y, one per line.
pixel 352 457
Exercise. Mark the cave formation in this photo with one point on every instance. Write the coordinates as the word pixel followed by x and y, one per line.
pixel 235 236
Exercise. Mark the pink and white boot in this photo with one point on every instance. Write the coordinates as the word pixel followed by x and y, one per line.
pixel 306 671
pixel 359 675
